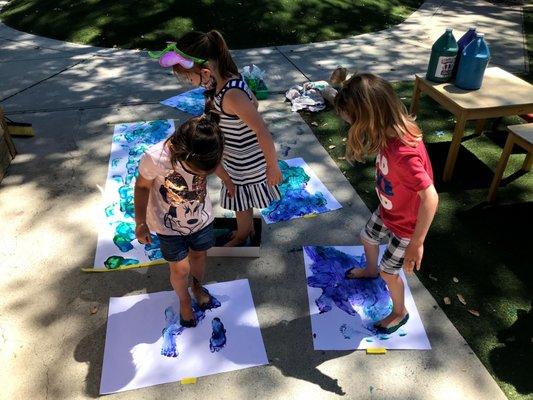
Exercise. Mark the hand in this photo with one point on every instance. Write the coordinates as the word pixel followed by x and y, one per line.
pixel 413 257
pixel 230 188
pixel 274 176
pixel 143 233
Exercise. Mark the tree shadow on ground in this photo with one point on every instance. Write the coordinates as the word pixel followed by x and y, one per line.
pixel 148 24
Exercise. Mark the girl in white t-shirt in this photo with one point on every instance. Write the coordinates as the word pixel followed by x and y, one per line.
pixel 171 199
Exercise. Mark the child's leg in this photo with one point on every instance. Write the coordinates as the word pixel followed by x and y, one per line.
pixel 371 236
pixel 197 261
pixel 199 242
pixel 396 289
pixel 179 279
pixel 245 227
pixel 391 265
pixel 175 250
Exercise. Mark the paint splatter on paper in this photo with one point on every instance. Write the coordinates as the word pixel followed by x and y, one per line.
pixel 218 337
pixel 344 311
pixel 173 328
pixel 302 194
pixel 192 102
pixel 145 344
pixel 117 246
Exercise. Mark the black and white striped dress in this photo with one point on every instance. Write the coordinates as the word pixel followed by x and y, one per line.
pixel 243 158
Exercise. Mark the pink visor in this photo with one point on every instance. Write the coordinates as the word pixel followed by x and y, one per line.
pixel 171 58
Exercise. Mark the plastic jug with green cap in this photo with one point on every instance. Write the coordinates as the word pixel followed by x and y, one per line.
pixel 442 60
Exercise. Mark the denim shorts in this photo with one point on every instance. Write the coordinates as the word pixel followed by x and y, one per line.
pixel 176 247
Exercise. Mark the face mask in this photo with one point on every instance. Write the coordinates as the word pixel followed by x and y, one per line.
pixel 211 83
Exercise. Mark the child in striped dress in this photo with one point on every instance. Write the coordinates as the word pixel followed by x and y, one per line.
pixel 249 171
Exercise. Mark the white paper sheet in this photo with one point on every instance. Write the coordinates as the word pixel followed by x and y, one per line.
pixel 132 355
pixel 336 329
pixel 117 246
pixel 302 194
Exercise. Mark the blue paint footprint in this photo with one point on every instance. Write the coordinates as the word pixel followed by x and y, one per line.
pixel 218 337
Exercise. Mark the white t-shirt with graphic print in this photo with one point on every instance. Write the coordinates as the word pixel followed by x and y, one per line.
pixel 179 203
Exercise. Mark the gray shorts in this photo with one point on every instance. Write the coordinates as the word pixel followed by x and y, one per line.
pixel 374 232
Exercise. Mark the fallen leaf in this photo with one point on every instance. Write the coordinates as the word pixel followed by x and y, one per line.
pixel 94 310
pixel 447 301
pixel 314 123
pixel 474 312
pixel 461 298
pixel 455 280
pixel 341 158
pixel 433 278
pixel 325 124
pixel 331 147
pixel 344 139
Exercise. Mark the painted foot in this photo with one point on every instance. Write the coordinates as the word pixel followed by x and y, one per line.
pixel 392 322
pixel 201 295
pixel 237 242
pixel 361 273
pixel 187 317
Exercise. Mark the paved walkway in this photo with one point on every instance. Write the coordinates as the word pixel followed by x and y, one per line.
pixel 73 95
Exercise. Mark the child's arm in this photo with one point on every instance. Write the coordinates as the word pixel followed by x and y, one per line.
pixel 140 199
pixel 224 177
pixel 429 200
pixel 237 102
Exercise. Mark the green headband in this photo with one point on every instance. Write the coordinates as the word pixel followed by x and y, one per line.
pixel 173 47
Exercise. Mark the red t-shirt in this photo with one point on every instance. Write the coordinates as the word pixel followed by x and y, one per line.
pixel 401 172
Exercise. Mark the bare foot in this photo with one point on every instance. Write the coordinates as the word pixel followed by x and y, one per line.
pixel 186 312
pixel 200 296
pixel 359 273
pixel 392 319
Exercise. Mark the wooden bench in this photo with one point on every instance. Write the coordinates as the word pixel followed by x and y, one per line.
pixel 521 135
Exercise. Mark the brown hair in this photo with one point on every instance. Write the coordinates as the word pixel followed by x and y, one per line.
pixel 199 142
pixel 209 46
pixel 374 110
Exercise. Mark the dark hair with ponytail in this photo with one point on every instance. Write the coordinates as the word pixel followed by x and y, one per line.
pixel 199 142
pixel 207 46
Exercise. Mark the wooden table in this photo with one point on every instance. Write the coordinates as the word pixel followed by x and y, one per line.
pixel 521 135
pixel 502 94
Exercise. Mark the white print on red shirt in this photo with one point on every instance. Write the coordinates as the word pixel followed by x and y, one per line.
pixel 383 185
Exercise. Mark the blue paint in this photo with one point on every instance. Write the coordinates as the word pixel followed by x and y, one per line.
pixel 368 340
pixel 295 200
pixel 347 331
pixel 110 210
pixel 402 333
pixel 192 102
pixel 124 235
pixel 116 262
pixel 134 139
pixel 367 297
pixel 218 337
pixel 173 328
pixel 170 332
pixel 384 337
pixel 153 250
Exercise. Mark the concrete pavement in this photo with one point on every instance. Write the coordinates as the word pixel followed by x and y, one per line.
pixel 52 347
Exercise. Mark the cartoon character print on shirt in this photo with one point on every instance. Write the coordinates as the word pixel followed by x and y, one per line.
pixel 186 211
pixel 383 185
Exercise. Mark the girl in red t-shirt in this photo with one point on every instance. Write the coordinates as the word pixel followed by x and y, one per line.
pixel 381 126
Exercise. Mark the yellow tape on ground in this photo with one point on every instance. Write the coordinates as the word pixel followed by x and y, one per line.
pixel 133 266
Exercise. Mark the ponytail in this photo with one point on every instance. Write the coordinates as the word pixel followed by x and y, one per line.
pixel 225 65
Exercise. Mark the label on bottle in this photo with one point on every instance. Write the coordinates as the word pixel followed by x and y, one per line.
pixel 445 66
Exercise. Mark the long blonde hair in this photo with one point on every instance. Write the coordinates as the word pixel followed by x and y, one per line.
pixel 374 110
